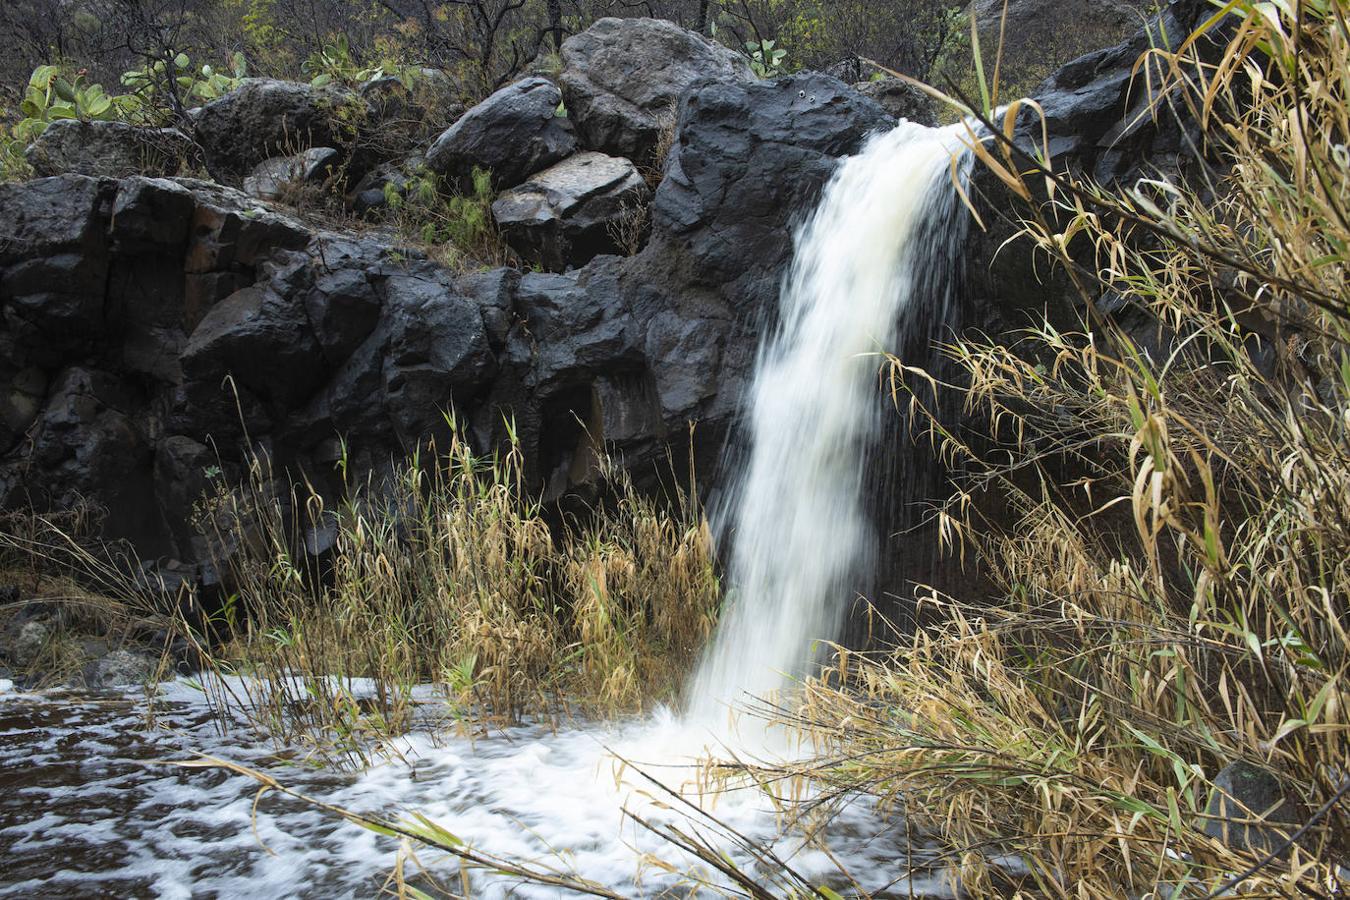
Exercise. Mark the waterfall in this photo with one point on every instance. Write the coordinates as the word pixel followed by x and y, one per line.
pixel 872 265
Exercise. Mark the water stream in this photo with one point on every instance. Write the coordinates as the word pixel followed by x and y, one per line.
pixel 88 809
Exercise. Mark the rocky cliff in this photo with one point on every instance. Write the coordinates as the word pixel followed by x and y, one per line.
pixel 157 331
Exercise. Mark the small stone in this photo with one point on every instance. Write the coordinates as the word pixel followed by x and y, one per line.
pixel 271 177
pixel 120 668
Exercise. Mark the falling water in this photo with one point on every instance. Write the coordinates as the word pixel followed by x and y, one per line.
pixel 803 545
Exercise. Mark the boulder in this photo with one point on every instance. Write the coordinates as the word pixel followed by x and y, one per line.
pixel 110 149
pixel 271 178
pixel 748 159
pixel 569 213
pixel 1251 809
pixel 119 668
pixel 262 339
pixel 900 99
pixel 264 118
pixel 513 134
pixel 622 80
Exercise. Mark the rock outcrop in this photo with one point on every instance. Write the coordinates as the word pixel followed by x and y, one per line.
pixel 112 149
pixel 572 212
pixel 623 78
pixel 512 134
pixel 156 329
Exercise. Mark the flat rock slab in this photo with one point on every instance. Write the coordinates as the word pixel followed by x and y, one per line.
pixel 570 213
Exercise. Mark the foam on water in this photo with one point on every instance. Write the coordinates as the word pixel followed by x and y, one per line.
pixel 90 805
pixel 88 810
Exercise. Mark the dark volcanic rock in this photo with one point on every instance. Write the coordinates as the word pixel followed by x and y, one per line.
pixel 569 213
pixel 513 134
pixel 54 264
pixel 437 357
pixel 111 149
pixel 152 330
pixel 749 160
pixel 622 79
pixel 263 341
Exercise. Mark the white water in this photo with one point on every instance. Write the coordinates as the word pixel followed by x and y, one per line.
pixel 802 544
pixel 802 548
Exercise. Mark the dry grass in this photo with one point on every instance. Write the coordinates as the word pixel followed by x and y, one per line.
pixel 452 576
pixel 75 596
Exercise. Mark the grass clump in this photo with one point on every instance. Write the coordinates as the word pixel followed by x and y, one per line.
pixel 454 227
pixel 450 576
pixel 1162 513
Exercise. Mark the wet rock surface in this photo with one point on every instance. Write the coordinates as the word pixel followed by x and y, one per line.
pixel 152 328
pixel 623 79
pixel 512 134
pixel 571 212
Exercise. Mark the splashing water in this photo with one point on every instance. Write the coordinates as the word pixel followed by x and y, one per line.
pixel 867 267
pixel 802 543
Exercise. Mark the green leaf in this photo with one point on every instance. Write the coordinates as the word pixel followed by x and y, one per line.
pixel 181 61
pixel 433 833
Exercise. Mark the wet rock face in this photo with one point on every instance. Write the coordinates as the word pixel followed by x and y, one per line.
pixel 569 213
pixel 749 160
pixel 623 78
pixel 111 149
pixel 153 329
pixel 513 134
pixel 264 118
